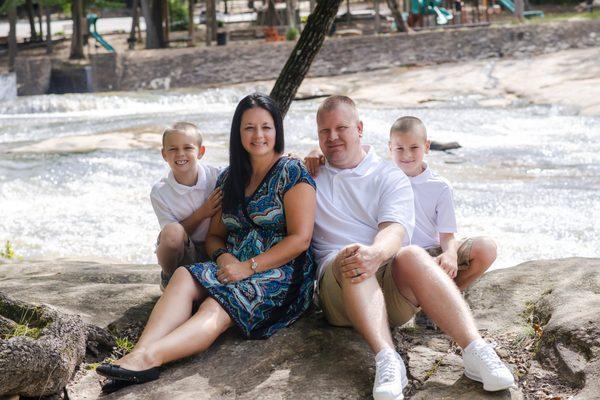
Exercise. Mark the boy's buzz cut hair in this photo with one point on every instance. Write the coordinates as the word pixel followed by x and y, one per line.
pixel 183 127
pixel 409 124
pixel 332 102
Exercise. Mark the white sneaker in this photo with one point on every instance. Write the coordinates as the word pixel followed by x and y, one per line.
pixel 390 376
pixel 482 364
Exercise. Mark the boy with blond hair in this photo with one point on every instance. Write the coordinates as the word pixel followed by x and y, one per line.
pixel 435 223
pixel 184 200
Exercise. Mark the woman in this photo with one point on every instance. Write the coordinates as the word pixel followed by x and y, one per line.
pixel 261 276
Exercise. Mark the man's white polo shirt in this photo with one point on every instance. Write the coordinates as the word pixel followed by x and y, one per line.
pixel 351 203
pixel 174 202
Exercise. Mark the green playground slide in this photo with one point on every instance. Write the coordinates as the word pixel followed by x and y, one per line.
pixel 510 6
pixel 431 7
pixel 92 19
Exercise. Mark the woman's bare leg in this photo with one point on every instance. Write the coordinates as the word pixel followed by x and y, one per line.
pixel 172 309
pixel 192 337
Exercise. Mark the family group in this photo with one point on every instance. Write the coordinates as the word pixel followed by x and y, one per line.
pixel 253 245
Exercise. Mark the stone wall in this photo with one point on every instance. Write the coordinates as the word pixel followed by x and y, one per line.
pixel 164 69
pixel 33 75
pixel 8 86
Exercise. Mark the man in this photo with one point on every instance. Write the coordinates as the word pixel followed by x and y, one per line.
pixel 368 277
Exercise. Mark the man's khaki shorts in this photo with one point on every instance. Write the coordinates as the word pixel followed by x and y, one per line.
pixel 399 309
pixel 463 253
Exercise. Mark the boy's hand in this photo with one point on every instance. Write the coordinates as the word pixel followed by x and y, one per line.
pixel 313 162
pixel 212 204
pixel 448 263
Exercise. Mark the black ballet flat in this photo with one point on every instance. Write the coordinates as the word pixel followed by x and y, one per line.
pixel 114 384
pixel 123 374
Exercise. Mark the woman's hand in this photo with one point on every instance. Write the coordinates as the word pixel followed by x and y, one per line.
pixel 234 272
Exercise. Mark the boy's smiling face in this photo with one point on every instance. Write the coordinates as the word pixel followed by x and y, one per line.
pixel 182 152
pixel 408 150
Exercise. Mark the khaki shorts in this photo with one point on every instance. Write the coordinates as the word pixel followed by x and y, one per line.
pixel 399 309
pixel 463 253
pixel 192 253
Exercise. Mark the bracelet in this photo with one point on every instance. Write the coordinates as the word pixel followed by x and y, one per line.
pixel 218 253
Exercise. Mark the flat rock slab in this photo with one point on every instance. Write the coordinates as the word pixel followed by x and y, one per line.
pixel 100 293
pixel 310 359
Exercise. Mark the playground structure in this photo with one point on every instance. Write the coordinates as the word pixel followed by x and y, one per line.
pixel 91 20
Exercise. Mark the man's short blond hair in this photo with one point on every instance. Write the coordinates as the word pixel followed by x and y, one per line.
pixel 333 102
pixel 184 127
pixel 409 124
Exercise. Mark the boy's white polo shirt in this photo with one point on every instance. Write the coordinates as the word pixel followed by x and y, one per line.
pixel 351 203
pixel 174 202
pixel 434 208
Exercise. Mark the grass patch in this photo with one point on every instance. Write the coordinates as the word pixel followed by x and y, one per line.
pixel 23 330
pixel 8 252
pixel 93 366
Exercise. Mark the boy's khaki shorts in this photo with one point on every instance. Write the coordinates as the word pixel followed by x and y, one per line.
pixel 463 253
pixel 192 253
pixel 399 309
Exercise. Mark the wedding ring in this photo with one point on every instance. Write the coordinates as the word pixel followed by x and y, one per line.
pixel 356 272
pixel 225 280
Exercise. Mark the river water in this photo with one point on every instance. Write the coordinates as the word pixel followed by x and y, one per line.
pixel 527 176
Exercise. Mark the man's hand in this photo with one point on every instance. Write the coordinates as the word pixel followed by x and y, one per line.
pixel 448 262
pixel 212 204
pixel 358 262
pixel 313 162
pixel 234 272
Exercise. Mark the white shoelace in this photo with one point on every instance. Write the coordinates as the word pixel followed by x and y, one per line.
pixel 388 369
pixel 489 357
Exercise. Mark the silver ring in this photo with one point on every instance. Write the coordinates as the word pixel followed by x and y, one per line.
pixel 356 272
pixel 225 280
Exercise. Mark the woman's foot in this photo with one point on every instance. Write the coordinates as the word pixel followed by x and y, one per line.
pixel 137 360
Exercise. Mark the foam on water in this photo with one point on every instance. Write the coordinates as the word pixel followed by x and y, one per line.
pixel 529 177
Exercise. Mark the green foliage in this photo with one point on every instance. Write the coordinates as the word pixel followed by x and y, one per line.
pixel 24 330
pixel 123 345
pixel 179 15
pixel 106 4
pixel 8 252
pixel 292 34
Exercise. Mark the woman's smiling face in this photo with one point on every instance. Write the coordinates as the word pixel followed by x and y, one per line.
pixel 257 132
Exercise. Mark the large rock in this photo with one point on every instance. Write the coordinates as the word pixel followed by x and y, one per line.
pixel 41 360
pixel 314 360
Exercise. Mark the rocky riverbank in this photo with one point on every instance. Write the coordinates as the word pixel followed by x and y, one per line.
pixel 544 315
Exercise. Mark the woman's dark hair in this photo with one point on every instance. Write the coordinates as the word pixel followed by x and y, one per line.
pixel 240 168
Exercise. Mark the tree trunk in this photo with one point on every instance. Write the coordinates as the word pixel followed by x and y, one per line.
pixel 135 17
pixel 290 7
pixel 165 19
pixel 519 6
pixel 77 38
pixel 191 26
pixel 48 27
pixel 400 23
pixel 209 16
pixel 153 15
pixel 39 15
pixel 377 16
pixel 31 17
pixel 12 35
pixel 310 42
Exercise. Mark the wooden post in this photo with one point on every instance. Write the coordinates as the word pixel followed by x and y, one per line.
pixel 377 16
pixel 191 26
pixel 12 34
pixel 348 15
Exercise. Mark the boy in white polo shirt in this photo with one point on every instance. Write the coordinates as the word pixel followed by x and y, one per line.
pixel 184 200
pixel 435 221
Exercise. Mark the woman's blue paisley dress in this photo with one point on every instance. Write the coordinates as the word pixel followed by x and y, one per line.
pixel 266 301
